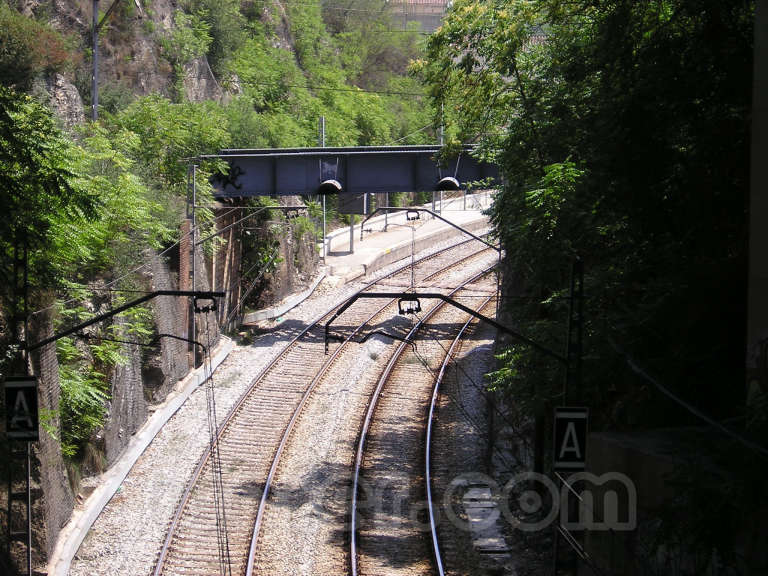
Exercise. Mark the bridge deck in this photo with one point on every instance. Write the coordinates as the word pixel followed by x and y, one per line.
pixel 357 170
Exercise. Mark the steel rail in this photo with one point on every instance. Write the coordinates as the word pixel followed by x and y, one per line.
pixel 233 411
pixel 289 428
pixel 428 449
pixel 287 433
pixel 369 418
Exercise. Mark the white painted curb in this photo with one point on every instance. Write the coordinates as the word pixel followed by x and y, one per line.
pixel 74 532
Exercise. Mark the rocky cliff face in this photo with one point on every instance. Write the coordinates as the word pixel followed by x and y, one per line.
pixel 199 82
pixel 130 59
pixel 64 99
pixel 129 54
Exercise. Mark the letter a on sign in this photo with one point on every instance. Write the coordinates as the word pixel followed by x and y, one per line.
pixel 21 417
pixel 570 438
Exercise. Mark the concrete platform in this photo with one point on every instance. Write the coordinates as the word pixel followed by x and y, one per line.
pixel 380 247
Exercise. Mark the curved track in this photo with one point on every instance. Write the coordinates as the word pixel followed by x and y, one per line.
pixel 432 508
pixel 252 432
pixel 390 528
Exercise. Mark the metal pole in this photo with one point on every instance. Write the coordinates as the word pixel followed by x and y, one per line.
pixel 192 264
pixel 579 352
pixel 386 213
pixel 324 237
pixel 569 339
pixel 95 55
pixel 29 444
pixel 413 256
pixel 555 542
pixel 10 491
pixel 351 233
pixel 29 509
pixel 442 124
pixel 322 145
pixel 498 287
pixel 573 351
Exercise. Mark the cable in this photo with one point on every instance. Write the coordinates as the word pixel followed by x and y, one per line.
pixel 690 408
pixel 409 135
pixel 225 564
pixel 425 362
pixel 246 217
pixel 477 386
pixel 247 293
pixel 333 89
pixel 137 269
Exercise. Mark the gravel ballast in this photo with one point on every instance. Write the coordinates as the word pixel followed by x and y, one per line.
pixel 128 534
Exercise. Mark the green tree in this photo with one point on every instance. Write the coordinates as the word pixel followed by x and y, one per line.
pixel 188 39
pixel 623 139
pixel 41 187
pixel 621 128
pixel 227 30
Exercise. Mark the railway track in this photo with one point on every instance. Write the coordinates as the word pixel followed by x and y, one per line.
pixel 392 514
pixel 254 432
pixel 311 485
pixel 449 544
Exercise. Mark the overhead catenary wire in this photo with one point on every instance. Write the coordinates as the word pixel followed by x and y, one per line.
pixel 459 366
pixel 127 274
pixel 225 562
pixel 637 369
pixel 467 417
pixel 108 287
pixel 409 135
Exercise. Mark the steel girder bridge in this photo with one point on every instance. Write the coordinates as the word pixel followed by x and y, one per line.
pixel 353 170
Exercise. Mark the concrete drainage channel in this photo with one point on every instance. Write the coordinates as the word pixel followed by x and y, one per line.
pixel 73 534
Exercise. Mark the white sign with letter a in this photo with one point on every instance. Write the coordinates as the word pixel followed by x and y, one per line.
pixel 21 414
pixel 570 450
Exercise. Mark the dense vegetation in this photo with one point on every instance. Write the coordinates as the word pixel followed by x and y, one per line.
pixel 93 202
pixel 622 128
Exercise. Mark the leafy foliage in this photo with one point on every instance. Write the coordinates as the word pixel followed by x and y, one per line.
pixel 286 91
pixel 41 185
pixel 189 38
pixel 623 140
pixel 83 394
pixel 160 135
pixel 227 29
pixel 92 204
pixel 622 131
pixel 29 48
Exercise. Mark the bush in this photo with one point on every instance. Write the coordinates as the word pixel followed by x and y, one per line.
pixel 29 48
